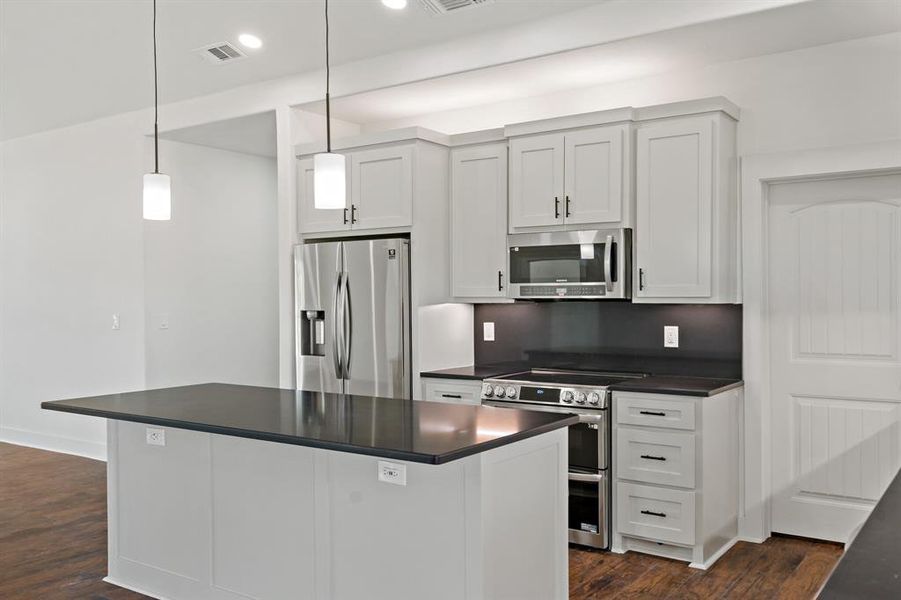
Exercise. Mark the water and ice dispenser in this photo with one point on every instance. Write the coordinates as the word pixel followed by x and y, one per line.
pixel 312 342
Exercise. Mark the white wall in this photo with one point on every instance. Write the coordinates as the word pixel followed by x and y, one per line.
pixel 70 257
pixel 212 271
pixel 830 95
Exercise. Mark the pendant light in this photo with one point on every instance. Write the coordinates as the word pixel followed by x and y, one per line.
pixel 328 167
pixel 157 186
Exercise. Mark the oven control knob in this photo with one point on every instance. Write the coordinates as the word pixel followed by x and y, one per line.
pixel 580 398
pixel 487 390
pixel 567 397
pixel 511 391
pixel 499 391
pixel 594 398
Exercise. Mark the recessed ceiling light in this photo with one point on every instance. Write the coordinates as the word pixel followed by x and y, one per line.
pixel 250 41
pixel 395 4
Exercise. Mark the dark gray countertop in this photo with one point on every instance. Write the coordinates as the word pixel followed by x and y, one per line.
pixel 677 385
pixel 871 566
pixel 478 372
pixel 425 432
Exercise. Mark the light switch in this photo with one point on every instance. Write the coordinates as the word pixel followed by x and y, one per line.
pixel 116 324
pixel 488 331
pixel 670 336
pixel 163 320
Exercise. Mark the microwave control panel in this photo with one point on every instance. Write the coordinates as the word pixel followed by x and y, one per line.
pixel 562 291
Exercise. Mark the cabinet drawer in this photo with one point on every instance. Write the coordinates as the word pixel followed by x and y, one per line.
pixel 452 390
pixel 657 410
pixel 656 457
pixel 655 513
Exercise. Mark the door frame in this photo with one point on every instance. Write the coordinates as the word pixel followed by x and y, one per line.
pixel 757 173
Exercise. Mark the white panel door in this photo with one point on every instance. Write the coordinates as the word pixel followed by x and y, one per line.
pixel 834 270
pixel 594 175
pixel 536 181
pixel 479 221
pixel 674 187
pixel 382 188
pixel 309 218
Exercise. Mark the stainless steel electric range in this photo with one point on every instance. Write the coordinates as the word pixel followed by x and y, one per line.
pixel 586 394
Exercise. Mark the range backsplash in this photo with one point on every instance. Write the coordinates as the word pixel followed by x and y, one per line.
pixel 613 336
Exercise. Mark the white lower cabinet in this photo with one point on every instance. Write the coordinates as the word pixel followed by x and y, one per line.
pixel 676 463
pixel 454 391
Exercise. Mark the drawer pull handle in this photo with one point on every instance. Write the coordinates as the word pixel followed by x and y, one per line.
pixel 451 396
pixel 653 413
pixel 654 514
pixel 650 457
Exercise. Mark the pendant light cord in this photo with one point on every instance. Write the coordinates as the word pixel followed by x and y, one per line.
pixel 156 101
pixel 328 107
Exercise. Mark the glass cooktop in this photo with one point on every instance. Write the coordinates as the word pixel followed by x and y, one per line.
pixel 572 378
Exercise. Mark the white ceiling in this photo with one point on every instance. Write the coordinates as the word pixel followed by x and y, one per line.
pixel 68 61
pixel 782 29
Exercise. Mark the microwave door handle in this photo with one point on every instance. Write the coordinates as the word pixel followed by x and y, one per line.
pixel 608 263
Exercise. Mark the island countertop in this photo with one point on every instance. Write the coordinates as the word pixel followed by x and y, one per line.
pixel 423 432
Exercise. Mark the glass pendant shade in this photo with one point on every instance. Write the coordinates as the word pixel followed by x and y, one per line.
pixel 329 182
pixel 157 197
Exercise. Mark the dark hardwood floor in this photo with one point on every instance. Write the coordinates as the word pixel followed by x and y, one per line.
pixel 53 545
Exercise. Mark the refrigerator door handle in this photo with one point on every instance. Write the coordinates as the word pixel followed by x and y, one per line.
pixel 347 326
pixel 336 347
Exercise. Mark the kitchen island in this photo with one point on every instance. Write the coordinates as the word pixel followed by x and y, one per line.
pixel 224 492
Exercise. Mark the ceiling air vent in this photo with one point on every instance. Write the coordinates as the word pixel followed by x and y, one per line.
pixel 442 7
pixel 221 53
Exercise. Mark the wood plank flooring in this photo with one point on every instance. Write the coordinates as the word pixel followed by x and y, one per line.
pixel 53 546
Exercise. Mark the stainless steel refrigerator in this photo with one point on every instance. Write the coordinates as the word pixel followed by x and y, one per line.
pixel 353 317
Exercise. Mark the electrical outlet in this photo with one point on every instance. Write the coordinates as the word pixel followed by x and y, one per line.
pixel 488 331
pixel 392 473
pixel 670 336
pixel 116 326
pixel 156 436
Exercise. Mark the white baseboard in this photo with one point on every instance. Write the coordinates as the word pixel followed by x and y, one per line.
pixel 133 588
pixel 716 556
pixel 53 443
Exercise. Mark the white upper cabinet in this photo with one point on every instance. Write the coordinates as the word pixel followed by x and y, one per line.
pixel 686 229
pixel 570 179
pixel 382 187
pixel 479 221
pixel 379 192
pixel 309 218
pixel 536 181
pixel 593 175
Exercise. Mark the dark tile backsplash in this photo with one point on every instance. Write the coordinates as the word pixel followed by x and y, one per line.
pixel 609 335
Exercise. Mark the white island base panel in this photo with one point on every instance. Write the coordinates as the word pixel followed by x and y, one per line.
pixel 218 517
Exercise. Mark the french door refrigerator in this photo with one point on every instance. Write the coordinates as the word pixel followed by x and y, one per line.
pixel 353 317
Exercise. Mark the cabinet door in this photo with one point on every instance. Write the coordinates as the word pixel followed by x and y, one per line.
pixel 479 221
pixel 674 180
pixel 594 175
pixel 536 181
pixel 382 187
pixel 309 218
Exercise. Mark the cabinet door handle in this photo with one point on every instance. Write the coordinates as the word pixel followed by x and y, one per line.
pixel 567 206
pixel 457 396
pixel 500 281
pixel 640 279
pixel 556 207
pixel 653 413
pixel 353 213
pixel 654 514
pixel 651 457
pixel 345 216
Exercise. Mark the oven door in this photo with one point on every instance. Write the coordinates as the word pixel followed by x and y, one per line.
pixel 588 439
pixel 573 264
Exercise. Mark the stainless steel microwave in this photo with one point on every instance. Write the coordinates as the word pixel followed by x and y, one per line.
pixel 570 265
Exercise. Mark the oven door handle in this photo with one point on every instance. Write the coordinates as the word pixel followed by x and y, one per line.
pixel 586 477
pixel 608 263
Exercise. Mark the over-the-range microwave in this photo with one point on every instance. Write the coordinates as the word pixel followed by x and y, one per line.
pixel 570 265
